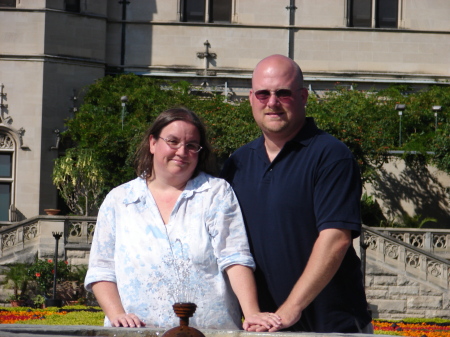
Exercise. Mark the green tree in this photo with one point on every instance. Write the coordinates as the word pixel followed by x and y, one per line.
pixel 101 152
pixel 80 180
pixel 366 121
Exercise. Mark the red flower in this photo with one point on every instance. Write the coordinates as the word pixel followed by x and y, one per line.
pixel 49 260
pixel 66 262
pixel 38 274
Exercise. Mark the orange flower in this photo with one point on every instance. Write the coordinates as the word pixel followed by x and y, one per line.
pixel 49 260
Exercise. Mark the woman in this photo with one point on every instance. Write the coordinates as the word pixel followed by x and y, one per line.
pixel 174 234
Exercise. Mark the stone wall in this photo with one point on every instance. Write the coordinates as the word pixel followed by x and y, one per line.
pixel 394 295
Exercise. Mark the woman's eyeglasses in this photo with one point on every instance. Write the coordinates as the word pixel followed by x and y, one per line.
pixel 175 144
pixel 283 95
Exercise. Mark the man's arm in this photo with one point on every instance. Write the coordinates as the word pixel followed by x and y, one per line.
pixel 326 257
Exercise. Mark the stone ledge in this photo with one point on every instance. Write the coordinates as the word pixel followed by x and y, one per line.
pixel 24 330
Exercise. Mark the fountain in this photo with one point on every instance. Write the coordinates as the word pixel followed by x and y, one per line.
pixel 184 311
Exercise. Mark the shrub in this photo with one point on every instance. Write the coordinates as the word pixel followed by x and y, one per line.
pixel 42 271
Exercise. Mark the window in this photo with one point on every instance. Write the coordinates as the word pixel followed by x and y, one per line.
pixel 73 6
pixel 220 11
pixel 206 10
pixel 387 14
pixel 5 201
pixel 7 146
pixel 194 11
pixel 373 13
pixel 7 3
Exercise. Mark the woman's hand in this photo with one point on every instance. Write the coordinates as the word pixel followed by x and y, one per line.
pixel 126 321
pixel 262 321
pixel 108 297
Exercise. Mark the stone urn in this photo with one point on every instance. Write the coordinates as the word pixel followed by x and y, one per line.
pixel 52 211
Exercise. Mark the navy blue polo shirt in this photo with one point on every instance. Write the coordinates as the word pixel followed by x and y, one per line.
pixel 313 184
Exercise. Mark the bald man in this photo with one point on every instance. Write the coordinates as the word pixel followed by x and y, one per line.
pixel 299 189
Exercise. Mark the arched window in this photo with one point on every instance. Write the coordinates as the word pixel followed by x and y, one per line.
pixel 7 173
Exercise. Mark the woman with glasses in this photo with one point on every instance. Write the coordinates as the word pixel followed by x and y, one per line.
pixel 174 234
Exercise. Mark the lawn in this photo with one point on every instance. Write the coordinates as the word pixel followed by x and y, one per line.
pixel 82 315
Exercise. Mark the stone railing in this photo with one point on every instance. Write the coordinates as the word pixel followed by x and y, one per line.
pixel 435 241
pixel 386 247
pixel 20 242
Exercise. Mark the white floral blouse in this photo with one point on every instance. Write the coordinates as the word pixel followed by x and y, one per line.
pixel 157 265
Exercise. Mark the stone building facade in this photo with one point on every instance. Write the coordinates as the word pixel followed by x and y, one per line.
pixel 51 49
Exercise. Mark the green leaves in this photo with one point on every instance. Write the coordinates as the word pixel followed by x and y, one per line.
pixel 366 121
pixel 43 271
pixel 80 180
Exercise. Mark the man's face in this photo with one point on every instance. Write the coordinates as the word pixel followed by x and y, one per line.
pixel 277 99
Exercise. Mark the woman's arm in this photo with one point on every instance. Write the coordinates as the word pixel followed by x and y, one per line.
pixel 244 286
pixel 108 297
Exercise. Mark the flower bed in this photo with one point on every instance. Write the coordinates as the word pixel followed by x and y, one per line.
pixel 81 315
pixel 437 328
pixel 24 314
pixel 69 315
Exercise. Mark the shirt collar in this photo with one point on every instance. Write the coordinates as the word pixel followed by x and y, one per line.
pixel 136 190
pixel 307 132
pixel 303 137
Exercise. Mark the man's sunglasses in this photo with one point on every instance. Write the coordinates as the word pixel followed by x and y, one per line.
pixel 283 95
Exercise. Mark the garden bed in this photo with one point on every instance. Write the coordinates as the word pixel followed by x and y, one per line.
pixel 93 316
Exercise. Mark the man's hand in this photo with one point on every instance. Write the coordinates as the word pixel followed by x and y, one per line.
pixel 289 316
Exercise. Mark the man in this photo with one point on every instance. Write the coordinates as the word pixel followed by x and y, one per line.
pixel 299 189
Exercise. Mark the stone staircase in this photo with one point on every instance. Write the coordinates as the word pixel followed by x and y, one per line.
pixel 23 241
pixel 407 272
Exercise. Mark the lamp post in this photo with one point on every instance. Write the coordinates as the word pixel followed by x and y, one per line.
pixel 400 108
pixel 436 109
pixel 124 100
pixel 55 302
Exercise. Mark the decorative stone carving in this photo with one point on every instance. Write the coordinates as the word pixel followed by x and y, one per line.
pixel 391 250
pixel 6 142
pixel 75 229
pixel 416 240
pixel 440 241
pixel 8 239
pixel 412 259
pixel 30 231
pixel 434 269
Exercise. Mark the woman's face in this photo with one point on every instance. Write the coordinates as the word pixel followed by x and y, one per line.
pixel 175 166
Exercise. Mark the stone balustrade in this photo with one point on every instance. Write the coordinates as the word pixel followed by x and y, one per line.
pixel 407 257
pixel 435 241
pixel 22 241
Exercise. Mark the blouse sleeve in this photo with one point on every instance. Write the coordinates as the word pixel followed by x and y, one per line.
pixel 101 260
pixel 226 228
